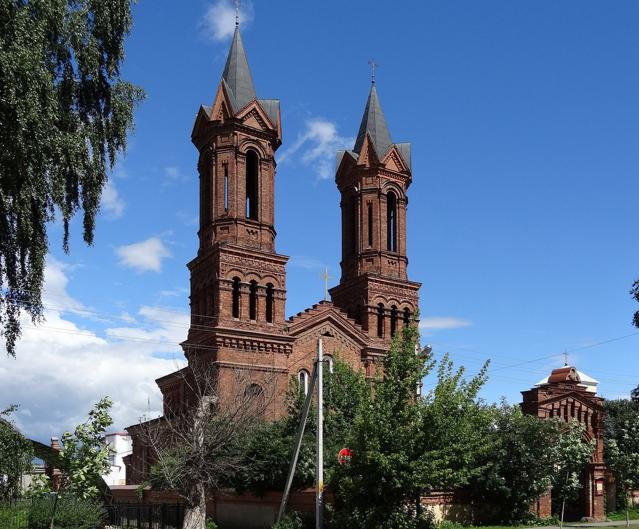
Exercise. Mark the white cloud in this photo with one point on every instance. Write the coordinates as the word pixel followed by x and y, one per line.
pixel 112 203
pixel 219 20
pixel 173 175
pixel 433 323
pixel 318 145
pixel 308 263
pixel 62 367
pixel 144 256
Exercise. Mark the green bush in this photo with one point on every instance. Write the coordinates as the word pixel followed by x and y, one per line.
pixel 290 521
pixel 13 516
pixel 71 513
pixel 210 524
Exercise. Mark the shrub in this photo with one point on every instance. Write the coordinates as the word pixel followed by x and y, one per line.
pixel 71 513
pixel 290 521
pixel 210 524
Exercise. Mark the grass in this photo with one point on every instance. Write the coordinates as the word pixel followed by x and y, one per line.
pixel 621 515
pixel 14 516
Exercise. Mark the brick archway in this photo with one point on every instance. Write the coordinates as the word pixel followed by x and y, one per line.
pixel 570 395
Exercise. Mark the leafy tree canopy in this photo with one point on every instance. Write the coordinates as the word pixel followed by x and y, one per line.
pixel 84 457
pixel 634 292
pixel 64 116
pixel 16 455
pixel 405 446
pixel 521 464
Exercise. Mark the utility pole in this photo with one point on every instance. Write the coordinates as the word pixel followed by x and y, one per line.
pixel 319 485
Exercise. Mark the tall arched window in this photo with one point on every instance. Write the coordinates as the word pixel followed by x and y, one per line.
pixel 391 222
pixel 354 223
pixel 236 297
pixel 252 185
pixel 329 363
pixel 226 188
pixel 253 300
pixel 270 302
pixel 254 398
pixel 393 321
pixel 370 224
pixel 303 379
pixel 380 320
pixel 406 317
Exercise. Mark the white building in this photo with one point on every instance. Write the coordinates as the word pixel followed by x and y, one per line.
pixel 121 445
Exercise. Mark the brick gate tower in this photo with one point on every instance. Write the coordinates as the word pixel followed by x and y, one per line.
pixel 373 181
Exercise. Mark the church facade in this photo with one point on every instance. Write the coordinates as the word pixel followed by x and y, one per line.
pixel 238 279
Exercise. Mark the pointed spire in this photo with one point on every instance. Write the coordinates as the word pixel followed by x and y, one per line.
pixel 374 123
pixel 237 74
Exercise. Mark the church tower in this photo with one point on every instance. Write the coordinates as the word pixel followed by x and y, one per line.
pixel 238 282
pixel 373 181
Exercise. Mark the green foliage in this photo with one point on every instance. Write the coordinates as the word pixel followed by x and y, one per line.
pixel 210 524
pixel 405 446
pixel 16 454
pixel 65 113
pixel 573 452
pixel 84 455
pixel 268 449
pixel 623 454
pixel 71 513
pixel 291 520
pixel 14 515
pixel 521 464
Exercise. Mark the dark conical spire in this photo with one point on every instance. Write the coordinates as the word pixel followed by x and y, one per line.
pixel 237 74
pixel 374 123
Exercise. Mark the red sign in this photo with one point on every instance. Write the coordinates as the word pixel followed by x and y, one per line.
pixel 344 456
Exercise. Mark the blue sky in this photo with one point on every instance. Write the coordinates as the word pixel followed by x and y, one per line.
pixel 524 120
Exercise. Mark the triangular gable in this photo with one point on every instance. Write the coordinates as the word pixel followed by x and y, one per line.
pixel 203 116
pixel 367 155
pixel 393 161
pixel 333 317
pixel 578 396
pixel 253 115
pixel 222 105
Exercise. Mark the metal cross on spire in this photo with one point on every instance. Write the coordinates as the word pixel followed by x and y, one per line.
pixel 373 66
pixel 565 358
pixel 326 277
pixel 237 13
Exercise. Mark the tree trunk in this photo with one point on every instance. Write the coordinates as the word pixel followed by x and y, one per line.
pixel 628 494
pixel 195 509
pixel 563 510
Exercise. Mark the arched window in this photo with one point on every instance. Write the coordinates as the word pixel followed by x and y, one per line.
pixel 226 188
pixel 236 297
pixel 354 222
pixel 370 224
pixel 391 222
pixel 270 302
pixel 253 300
pixel 303 379
pixel 406 316
pixel 254 397
pixel 329 363
pixel 380 320
pixel 252 185
pixel 393 321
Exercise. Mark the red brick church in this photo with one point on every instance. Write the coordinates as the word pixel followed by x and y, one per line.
pixel 238 279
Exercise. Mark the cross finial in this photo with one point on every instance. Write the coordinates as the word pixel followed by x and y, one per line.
pixel 565 358
pixel 237 13
pixel 326 277
pixel 373 66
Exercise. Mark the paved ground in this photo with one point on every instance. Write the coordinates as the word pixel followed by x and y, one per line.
pixel 618 523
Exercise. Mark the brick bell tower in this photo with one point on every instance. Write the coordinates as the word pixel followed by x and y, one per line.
pixel 373 180
pixel 238 281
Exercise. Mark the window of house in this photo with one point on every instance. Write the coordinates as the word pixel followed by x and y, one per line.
pixel 270 302
pixel 236 297
pixel 391 222
pixel 252 185
pixel 253 300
